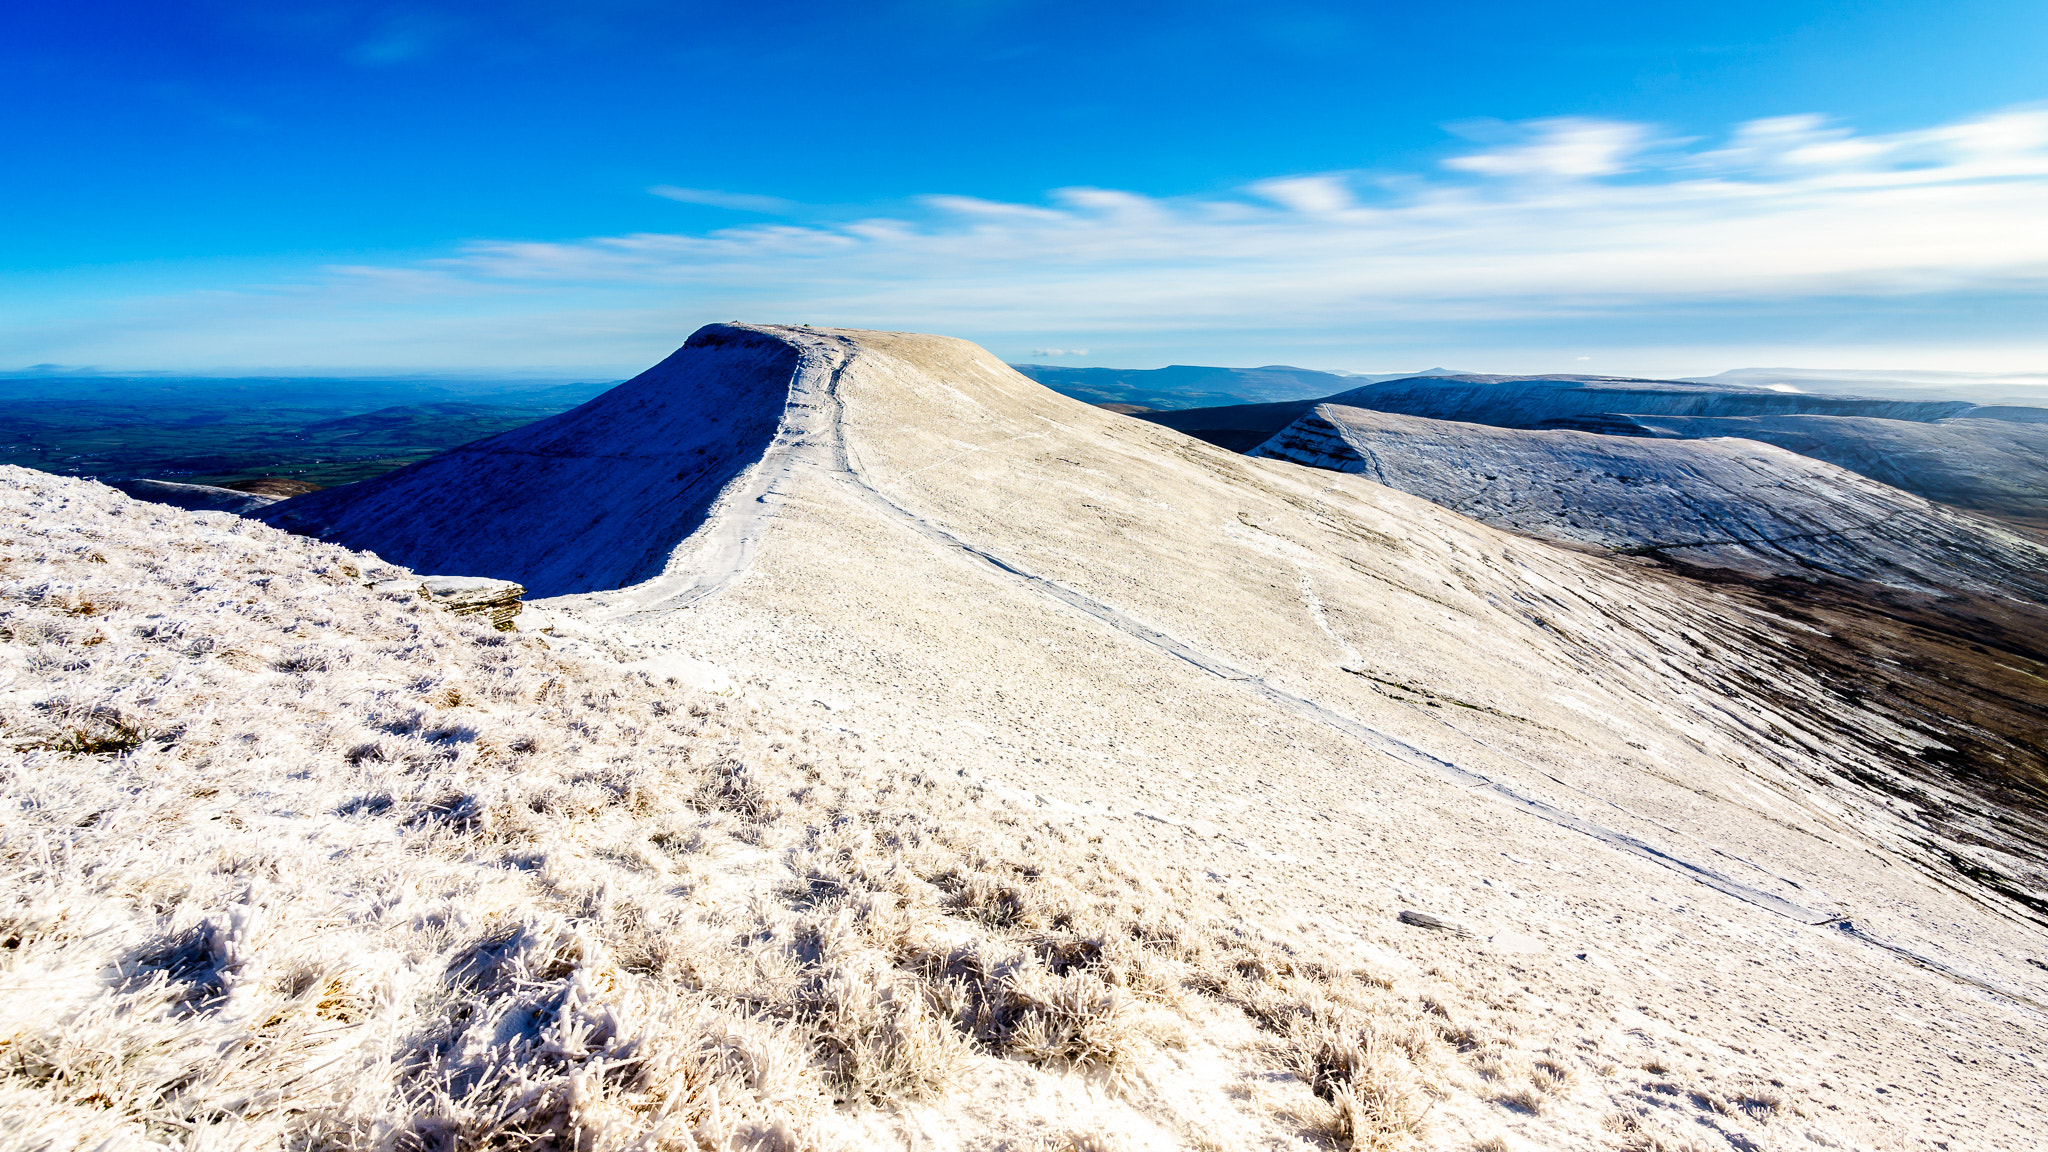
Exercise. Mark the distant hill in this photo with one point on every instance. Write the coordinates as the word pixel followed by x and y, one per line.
pixel 1991 458
pixel 1986 460
pixel 2022 388
pixel 1725 502
pixel 1531 401
pixel 1193 386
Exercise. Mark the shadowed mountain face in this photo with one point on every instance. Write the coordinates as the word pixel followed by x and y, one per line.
pixel 1234 427
pixel 595 498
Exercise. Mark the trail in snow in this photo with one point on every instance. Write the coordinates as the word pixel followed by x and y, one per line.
pixel 809 436
pixel 813 435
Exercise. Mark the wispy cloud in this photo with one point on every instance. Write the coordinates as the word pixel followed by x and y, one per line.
pixel 739 201
pixel 1587 221
pixel 1563 149
pixel 1576 214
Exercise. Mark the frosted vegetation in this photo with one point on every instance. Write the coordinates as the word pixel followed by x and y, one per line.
pixel 286 860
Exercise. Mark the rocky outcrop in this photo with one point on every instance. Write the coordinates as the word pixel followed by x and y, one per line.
pixel 497 601
pixel 281 487
pixel 494 600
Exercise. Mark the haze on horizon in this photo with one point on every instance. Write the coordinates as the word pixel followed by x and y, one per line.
pixel 357 187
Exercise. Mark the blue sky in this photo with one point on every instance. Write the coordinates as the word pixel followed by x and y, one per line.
pixel 1672 188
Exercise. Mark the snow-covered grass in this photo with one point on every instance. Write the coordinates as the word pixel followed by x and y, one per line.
pixel 286 861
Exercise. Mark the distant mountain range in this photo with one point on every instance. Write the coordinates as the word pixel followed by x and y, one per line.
pixel 1990 458
pixel 1725 502
pixel 2026 388
pixel 1195 386
pixel 1180 386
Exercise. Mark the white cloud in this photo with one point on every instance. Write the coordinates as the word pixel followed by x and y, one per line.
pixel 1605 228
pixel 1568 148
pixel 739 201
pixel 1316 195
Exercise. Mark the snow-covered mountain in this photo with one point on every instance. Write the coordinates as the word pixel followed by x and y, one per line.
pixel 1719 503
pixel 1082 782
pixel 1987 459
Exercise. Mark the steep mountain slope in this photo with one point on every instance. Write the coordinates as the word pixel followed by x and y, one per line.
pixel 593 498
pixel 1991 465
pixel 1732 503
pixel 1664 874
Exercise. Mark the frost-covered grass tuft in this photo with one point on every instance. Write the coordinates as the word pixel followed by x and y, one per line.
pixel 287 861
